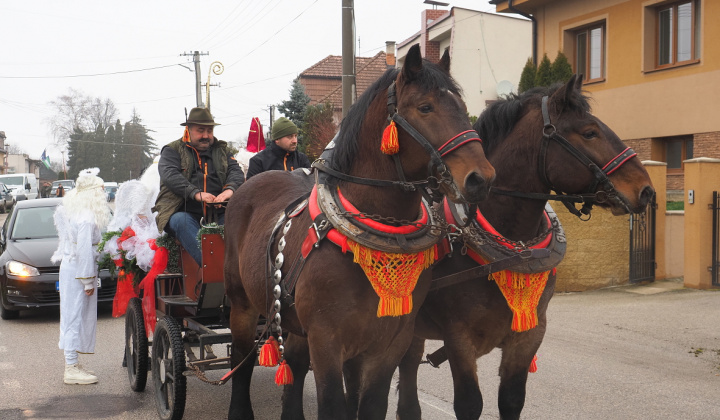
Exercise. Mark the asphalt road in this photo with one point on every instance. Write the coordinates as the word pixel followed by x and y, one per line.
pixel 634 352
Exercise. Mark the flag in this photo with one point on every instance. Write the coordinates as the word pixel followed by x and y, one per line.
pixel 45 159
pixel 256 139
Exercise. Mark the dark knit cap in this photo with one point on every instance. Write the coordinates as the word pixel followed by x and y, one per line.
pixel 283 127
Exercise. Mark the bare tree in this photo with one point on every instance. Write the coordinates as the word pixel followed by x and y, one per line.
pixel 77 110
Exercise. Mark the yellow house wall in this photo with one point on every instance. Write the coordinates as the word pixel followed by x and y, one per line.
pixel 636 103
pixel 702 175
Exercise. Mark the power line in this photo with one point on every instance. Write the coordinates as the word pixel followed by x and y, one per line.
pixel 88 75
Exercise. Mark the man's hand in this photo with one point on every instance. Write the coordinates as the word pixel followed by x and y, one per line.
pixel 224 196
pixel 204 197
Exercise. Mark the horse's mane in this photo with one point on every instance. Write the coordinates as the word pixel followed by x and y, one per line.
pixel 498 120
pixel 431 77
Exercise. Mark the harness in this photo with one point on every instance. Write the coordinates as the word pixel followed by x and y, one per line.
pixel 606 191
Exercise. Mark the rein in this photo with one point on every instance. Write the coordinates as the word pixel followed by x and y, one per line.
pixel 605 194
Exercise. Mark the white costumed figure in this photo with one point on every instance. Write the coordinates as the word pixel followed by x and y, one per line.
pixel 133 208
pixel 80 221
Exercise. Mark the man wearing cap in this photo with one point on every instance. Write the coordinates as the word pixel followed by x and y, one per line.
pixel 196 169
pixel 282 154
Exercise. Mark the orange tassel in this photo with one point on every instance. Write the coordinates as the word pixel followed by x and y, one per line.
pixel 284 375
pixel 533 365
pixel 269 353
pixel 186 135
pixel 389 144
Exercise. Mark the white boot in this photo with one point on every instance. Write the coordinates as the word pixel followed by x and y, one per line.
pixel 75 375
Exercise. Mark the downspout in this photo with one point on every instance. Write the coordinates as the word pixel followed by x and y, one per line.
pixel 534 29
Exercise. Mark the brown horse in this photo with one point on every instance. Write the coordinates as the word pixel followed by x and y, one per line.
pixel 334 305
pixel 531 157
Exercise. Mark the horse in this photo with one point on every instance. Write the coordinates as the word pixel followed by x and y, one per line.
pixel 418 119
pixel 544 139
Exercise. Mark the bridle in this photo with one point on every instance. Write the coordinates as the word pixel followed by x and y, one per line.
pixel 428 186
pixel 601 190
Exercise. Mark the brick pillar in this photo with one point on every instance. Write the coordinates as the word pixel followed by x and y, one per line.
pixel 429 49
pixel 702 177
pixel 658 172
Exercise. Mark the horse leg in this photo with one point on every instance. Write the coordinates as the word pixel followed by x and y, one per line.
pixel 297 356
pixel 376 380
pixel 516 359
pixel 353 380
pixel 327 369
pixel 467 399
pixel 408 404
pixel 243 325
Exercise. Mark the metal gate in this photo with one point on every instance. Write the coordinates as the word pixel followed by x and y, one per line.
pixel 715 207
pixel 642 244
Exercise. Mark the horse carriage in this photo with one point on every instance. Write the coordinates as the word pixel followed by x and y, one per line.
pixel 189 303
pixel 356 316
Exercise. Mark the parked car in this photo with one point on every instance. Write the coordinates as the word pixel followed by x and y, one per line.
pixel 110 192
pixel 27 277
pixel 68 184
pixel 7 199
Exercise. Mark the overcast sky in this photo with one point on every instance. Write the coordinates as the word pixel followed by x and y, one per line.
pixel 131 52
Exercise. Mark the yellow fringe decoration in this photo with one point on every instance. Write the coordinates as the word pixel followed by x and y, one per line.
pixel 186 135
pixel 392 276
pixel 389 144
pixel 522 292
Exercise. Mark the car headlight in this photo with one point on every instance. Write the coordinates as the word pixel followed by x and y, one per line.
pixel 20 269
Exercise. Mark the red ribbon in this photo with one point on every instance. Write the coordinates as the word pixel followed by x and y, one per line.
pixel 148 284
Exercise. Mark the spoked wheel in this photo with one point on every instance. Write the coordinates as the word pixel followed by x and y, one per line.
pixel 136 346
pixel 168 365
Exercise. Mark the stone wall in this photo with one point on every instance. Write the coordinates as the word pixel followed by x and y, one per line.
pixel 598 252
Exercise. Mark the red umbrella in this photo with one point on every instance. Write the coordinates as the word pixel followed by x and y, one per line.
pixel 256 139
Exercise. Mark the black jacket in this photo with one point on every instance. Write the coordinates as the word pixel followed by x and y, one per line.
pixel 276 158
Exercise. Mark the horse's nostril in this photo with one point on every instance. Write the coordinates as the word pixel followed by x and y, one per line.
pixel 476 187
pixel 646 195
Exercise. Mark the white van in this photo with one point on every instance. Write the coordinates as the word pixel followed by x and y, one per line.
pixel 23 186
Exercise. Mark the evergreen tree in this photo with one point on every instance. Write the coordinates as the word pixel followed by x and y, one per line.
pixel 527 78
pixel 294 108
pixel 136 150
pixel 543 77
pixel 78 152
pixel 561 70
pixel 319 128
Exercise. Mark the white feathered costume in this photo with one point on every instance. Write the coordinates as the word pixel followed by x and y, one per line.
pixel 80 220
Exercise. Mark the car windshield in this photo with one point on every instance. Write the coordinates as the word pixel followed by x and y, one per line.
pixel 65 184
pixel 12 180
pixel 34 223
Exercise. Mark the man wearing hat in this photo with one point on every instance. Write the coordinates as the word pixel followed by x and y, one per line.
pixel 196 169
pixel 282 154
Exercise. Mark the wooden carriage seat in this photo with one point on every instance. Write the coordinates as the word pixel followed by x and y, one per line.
pixel 209 277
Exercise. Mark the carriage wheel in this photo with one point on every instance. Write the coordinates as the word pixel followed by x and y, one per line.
pixel 136 345
pixel 168 365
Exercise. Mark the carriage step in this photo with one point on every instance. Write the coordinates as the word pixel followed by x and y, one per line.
pixel 178 300
pixel 169 275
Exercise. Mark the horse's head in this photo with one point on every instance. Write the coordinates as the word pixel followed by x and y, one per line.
pixel 425 103
pixel 583 155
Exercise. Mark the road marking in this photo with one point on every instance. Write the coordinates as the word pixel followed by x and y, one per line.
pixel 13 384
pixel 3 349
pixel 6 366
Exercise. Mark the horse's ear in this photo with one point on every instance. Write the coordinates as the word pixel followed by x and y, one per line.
pixel 413 63
pixel 571 87
pixel 445 61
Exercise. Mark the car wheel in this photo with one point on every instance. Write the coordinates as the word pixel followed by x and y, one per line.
pixel 3 209
pixel 8 314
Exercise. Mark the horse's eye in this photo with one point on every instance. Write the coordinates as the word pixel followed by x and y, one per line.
pixel 589 135
pixel 425 109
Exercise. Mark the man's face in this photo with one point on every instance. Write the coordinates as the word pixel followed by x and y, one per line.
pixel 201 136
pixel 287 143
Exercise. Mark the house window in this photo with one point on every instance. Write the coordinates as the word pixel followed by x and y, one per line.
pixel 677 33
pixel 590 52
pixel 678 149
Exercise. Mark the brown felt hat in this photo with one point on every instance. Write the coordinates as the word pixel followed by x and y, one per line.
pixel 200 116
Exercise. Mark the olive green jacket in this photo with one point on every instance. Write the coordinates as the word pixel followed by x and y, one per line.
pixel 168 202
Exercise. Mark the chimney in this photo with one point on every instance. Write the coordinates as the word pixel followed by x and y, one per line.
pixel 390 54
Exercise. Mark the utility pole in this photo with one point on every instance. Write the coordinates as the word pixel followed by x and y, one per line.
pixel 348 55
pixel 198 84
pixel 272 116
